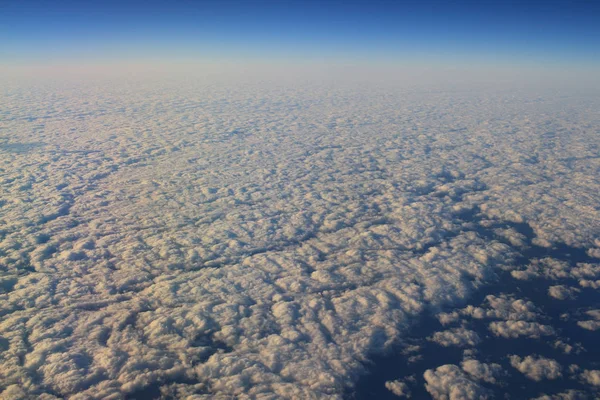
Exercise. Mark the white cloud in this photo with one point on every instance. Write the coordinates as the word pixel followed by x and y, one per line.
pixel 449 382
pixel 591 324
pixel 568 395
pixel 505 307
pixel 554 269
pixel 587 283
pixel 591 377
pixel 536 368
pixel 218 237
pixel 481 371
pixel 514 329
pixel 459 337
pixel 561 292
pixel 399 388
pixel 567 348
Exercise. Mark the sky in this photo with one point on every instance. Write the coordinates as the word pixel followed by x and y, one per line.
pixel 498 32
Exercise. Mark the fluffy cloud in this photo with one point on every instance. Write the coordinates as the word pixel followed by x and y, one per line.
pixel 553 269
pixel 591 324
pixel 481 371
pixel 459 337
pixel 399 388
pixel 514 329
pixel 536 368
pixel 591 377
pixel 505 307
pixel 214 238
pixel 449 382
pixel 516 318
pixel 568 395
pixel 561 292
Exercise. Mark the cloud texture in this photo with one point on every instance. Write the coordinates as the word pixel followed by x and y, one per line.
pixel 213 240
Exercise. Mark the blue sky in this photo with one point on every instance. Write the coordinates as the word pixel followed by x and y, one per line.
pixel 450 31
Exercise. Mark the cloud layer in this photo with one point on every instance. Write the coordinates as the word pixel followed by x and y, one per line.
pixel 265 239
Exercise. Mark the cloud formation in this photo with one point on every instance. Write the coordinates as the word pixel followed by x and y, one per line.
pixel 592 324
pixel 481 371
pixel 449 382
pixel 211 239
pixel 459 337
pixel 398 388
pixel 536 368
pixel 562 292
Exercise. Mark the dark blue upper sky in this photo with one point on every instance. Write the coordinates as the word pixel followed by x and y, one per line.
pixel 453 31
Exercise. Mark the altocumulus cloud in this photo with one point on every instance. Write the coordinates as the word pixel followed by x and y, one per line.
pixel 213 240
